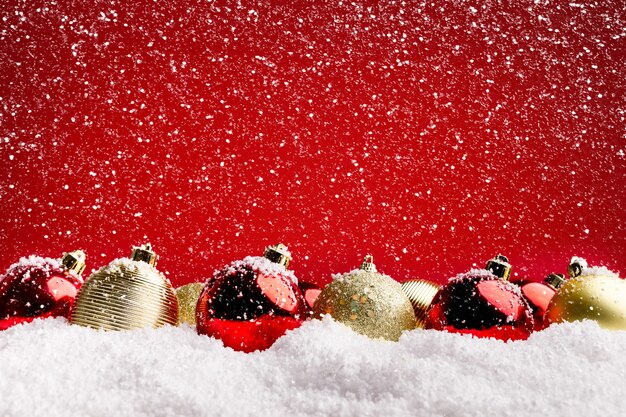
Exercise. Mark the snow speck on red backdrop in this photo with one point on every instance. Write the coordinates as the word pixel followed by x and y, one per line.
pixel 433 135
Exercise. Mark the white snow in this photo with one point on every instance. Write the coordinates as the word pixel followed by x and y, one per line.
pixel 121 264
pixel 50 368
pixel 599 270
pixel 356 271
pixel 48 265
pixel 262 265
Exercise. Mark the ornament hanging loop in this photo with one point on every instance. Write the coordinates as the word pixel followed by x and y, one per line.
pixel 368 264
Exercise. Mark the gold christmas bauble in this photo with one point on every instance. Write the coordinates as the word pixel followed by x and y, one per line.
pixel 601 298
pixel 127 294
pixel 421 294
pixel 370 303
pixel 187 300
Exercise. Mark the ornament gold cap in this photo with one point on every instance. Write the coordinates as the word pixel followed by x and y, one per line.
pixel 576 267
pixel 500 267
pixel 278 254
pixel 74 261
pixel 555 280
pixel 368 264
pixel 145 254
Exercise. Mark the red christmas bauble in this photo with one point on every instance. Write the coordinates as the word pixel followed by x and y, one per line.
pixel 310 292
pixel 37 288
pixel 539 295
pixel 249 304
pixel 481 304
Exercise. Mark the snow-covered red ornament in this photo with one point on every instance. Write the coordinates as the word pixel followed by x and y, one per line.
pixel 38 287
pixel 482 303
pixel 539 294
pixel 250 303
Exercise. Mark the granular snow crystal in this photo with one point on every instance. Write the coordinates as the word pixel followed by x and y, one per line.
pixel 50 368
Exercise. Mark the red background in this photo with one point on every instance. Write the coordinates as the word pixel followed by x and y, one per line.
pixel 432 136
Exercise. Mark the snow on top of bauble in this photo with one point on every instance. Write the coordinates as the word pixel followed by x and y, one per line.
pixel 346 274
pixel 474 272
pixel 357 271
pixel 48 265
pixel 487 275
pixel 119 265
pixel 262 265
pixel 598 271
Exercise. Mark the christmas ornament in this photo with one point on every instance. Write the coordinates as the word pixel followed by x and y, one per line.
pixel 482 304
pixel 249 304
pixel 421 294
pixel 591 294
pixel 539 294
pixel 310 292
pixel 370 303
pixel 127 294
pixel 40 287
pixel 187 296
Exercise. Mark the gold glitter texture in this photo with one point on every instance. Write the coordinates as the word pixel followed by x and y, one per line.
pixel 370 303
pixel 187 300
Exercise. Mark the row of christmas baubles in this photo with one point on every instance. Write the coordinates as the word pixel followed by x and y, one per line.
pixel 252 302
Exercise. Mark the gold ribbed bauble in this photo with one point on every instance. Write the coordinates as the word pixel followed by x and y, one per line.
pixel 593 297
pixel 421 294
pixel 127 294
pixel 187 300
pixel 370 303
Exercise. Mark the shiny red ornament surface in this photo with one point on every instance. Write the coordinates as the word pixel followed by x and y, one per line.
pixel 248 306
pixel 36 288
pixel 538 295
pixel 249 336
pixel 310 292
pixel 483 305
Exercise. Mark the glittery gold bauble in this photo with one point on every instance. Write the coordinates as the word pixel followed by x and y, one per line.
pixel 187 300
pixel 593 297
pixel 127 294
pixel 421 294
pixel 370 303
